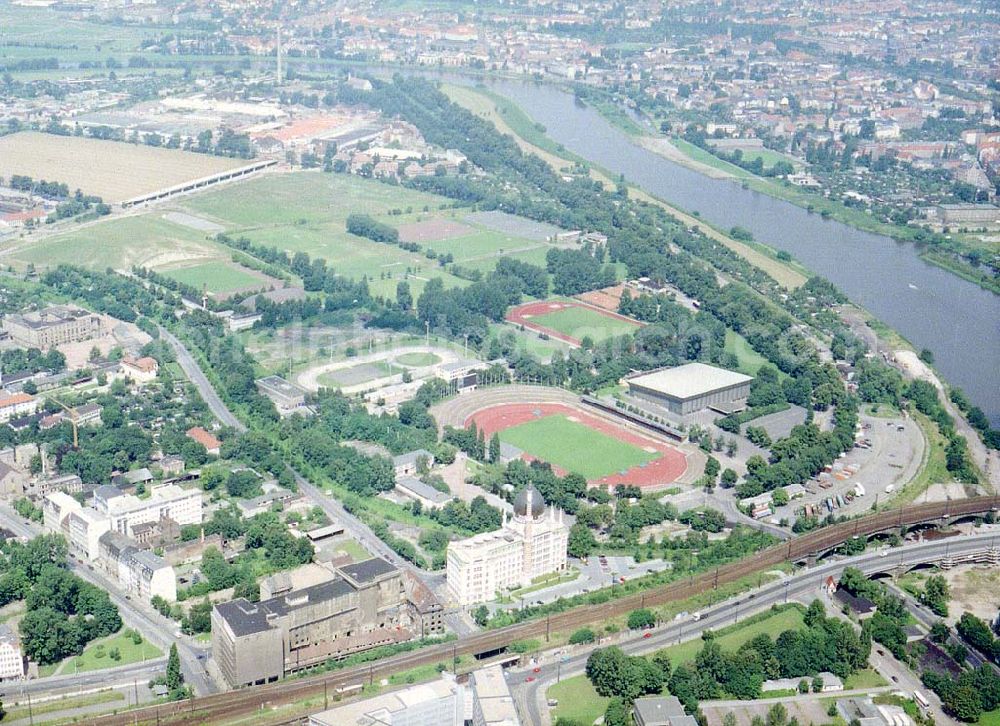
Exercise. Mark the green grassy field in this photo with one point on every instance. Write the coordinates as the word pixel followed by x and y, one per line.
pixel 750 360
pixel 307 212
pixel 990 718
pixel 578 701
pixel 27 30
pixel 418 359
pixel 579 322
pixel 559 441
pixel 773 625
pixel 301 211
pixel 131 653
pixel 145 241
pixel 216 277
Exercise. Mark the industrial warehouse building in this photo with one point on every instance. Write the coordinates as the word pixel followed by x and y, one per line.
pixel 693 387
pixel 345 610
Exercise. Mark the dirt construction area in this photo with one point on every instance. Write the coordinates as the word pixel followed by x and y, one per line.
pixel 975 589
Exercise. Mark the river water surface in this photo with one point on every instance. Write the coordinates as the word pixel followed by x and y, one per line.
pixel 956 319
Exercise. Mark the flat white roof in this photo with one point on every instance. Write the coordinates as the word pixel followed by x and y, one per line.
pixel 690 380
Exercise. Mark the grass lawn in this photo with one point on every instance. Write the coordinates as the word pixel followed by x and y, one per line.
pixel 528 341
pixel 559 441
pixel 933 469
pixel 774 625
pixel 64 704
pixel 418 359
pixel 750 360
pixel 131 653
pixel 990 718
pixel 216 277
pixel 361 373
pixel 353 549
pixel 866 678
pixel 145 241
pixel 578 701
pixel 579 322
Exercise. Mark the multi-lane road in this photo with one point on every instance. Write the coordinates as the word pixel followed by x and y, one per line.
pixel 530 695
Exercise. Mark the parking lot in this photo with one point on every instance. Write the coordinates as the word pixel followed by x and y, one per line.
pixel 883 467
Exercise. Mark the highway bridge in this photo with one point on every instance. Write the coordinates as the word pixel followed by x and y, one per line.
pixel 806 548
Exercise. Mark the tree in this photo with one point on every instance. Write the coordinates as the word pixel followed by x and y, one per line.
pixel 936 595
pixel 481 616
pixel 617 713
pixel 175 679
pixel 729 478
pixel 641 619
pixel 583 635
pixel 712 467
pixel 581 541
pixel 939 632
pixel 495 448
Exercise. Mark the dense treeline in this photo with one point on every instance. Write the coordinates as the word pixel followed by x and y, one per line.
pixel 64 613
pixel 823 645
pixel 364 226
pixel 576 271
pixel 31 360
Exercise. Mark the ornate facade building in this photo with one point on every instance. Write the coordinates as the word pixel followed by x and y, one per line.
pixel 530 544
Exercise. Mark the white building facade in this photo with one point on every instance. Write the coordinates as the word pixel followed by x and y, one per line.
pixel 531 544
pixel 126 511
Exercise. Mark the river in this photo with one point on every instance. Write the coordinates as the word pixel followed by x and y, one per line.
pixel 957 320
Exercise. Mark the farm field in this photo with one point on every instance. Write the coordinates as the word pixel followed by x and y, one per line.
pixel 112 170
pixel 571 321
pixel 219 278
pixel 562 443
pixel 36 32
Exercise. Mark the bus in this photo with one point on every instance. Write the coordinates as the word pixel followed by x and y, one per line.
pixel 921 700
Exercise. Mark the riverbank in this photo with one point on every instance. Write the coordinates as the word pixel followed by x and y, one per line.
pixel 510 119
pixel 679 151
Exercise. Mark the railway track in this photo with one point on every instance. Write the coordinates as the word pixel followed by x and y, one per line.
pixel 233 705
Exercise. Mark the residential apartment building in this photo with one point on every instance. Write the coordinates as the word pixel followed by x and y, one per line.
pixel 139 572
pixel 11 658
pixel 56 508
pixel 86 526
pixel 16 405
pixel 54 325
pixel 531 544
pixel 126 511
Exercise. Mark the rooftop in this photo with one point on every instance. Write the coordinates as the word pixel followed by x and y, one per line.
pixel 412 485
pixel 367 570
pixel 690 380
pixel 661 709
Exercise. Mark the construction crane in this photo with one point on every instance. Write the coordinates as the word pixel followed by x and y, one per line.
pixel 73 417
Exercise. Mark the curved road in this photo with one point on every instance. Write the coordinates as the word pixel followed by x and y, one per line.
pixel 530 696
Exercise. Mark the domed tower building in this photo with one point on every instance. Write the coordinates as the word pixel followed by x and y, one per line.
pixel 529 544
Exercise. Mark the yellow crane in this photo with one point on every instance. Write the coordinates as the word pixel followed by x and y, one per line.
pixel 73 416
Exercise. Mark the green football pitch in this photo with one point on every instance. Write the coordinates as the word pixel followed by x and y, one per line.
pixel 579 322
pixel 572 446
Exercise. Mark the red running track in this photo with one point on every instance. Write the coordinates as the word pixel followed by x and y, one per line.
pixel 660 472
pixel 525 314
